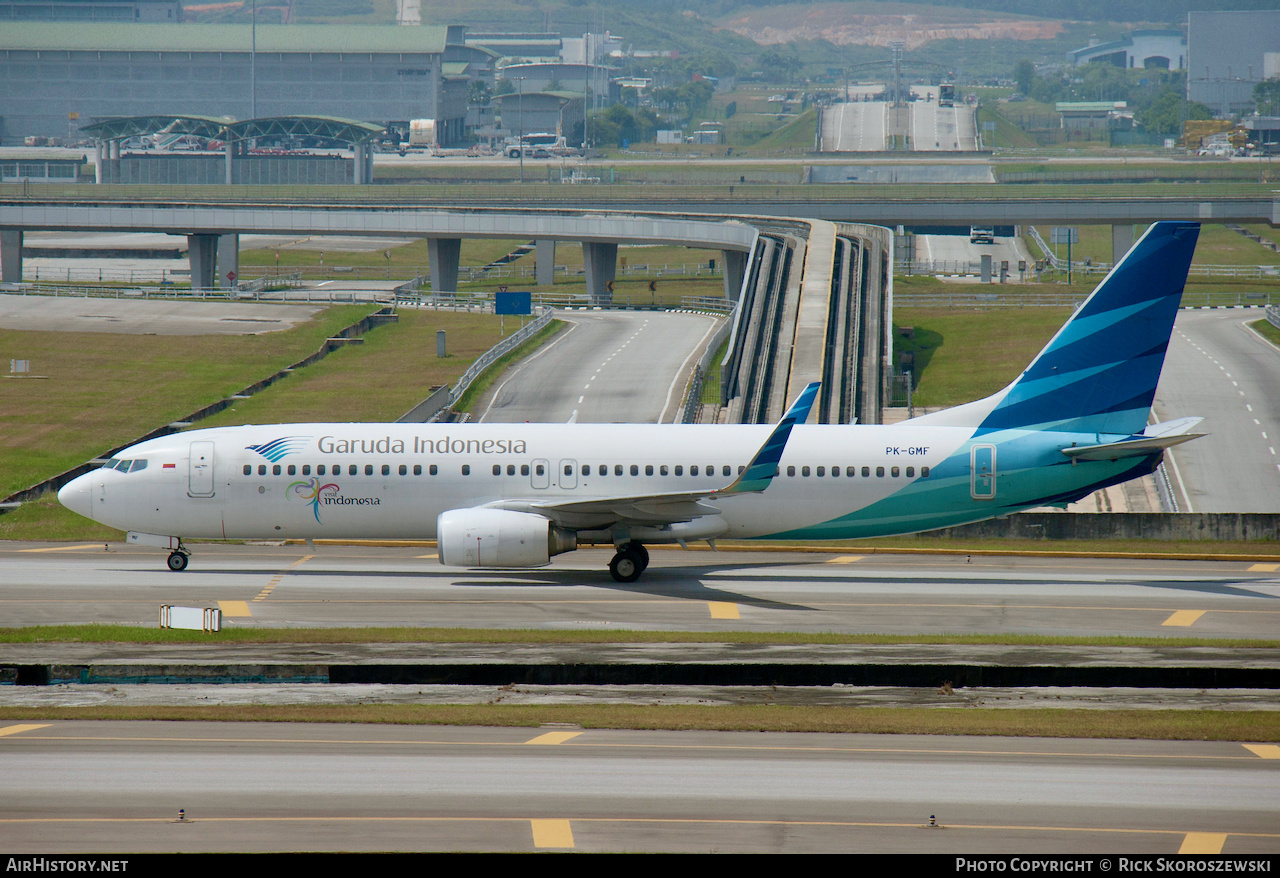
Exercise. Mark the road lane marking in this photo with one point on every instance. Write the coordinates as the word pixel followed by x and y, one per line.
pixel 552 834
pixel 1183 618
pixel 27 727
pixel 61 548
pixel 1264 568
pixel 432 555
pixel 844 559
pixel 723 610
pixel 553 738
pixel 1265 751
pixel 234 608
pixel 1203 843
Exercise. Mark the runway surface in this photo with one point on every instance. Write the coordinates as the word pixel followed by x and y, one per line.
pixel 681 591
pixel 114 786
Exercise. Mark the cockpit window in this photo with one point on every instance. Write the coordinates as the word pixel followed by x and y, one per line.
pixel 124 466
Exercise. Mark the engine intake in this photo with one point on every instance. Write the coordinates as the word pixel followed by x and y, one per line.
pixel 499 538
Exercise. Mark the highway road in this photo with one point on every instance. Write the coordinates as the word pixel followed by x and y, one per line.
pixel 1219 369
pixel 118 786
pixel 863 126
pixel 856 127
pixel 942 129
pixel 953 254
pixel 683 590
pixel 607 367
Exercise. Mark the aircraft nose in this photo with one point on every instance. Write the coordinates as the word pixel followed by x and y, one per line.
pixel 75 495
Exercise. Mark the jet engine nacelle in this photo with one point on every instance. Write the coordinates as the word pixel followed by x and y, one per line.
pixel 499 538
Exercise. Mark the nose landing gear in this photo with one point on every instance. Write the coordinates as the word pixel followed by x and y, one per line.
pixel 629 562
pixel 178 559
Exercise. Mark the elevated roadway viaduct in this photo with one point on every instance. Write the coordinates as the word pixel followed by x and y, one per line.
pixel 807 265
pixel 405 210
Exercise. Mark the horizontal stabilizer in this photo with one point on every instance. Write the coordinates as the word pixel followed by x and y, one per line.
pixel 1155 438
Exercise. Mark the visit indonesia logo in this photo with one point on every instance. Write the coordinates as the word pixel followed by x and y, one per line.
pixel 314 493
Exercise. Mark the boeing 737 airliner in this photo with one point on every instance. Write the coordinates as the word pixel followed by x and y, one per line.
pixel 513 495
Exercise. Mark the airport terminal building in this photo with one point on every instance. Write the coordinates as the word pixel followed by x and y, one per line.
pixel 55 78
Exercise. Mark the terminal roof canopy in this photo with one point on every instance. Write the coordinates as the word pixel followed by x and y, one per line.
pixel 224 128
pixel 207 127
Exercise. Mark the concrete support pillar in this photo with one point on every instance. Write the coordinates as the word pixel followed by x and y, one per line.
pixel 368 164
pixel 444 254
pixel 113 161
pixel 97 161
pixel 1121 241
pixel 986 268
pixel 735 270
pixel 601 263
pixel 228 261
pixel 202 254
pixel 11 256
pixel 545 254
pixel 357 161
pixel 231 162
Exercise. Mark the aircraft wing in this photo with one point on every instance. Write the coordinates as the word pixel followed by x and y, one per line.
pixel 670 508
pixel 650 509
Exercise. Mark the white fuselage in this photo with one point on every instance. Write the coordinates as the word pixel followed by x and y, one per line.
pixel 394 480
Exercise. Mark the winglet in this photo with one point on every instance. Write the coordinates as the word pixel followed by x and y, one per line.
pixel 764 466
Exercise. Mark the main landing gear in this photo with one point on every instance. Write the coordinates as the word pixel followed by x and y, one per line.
pixel 178 559
pixel 630 561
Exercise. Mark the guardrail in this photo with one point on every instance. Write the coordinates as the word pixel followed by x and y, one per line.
pixel 1051 295
pixel 1273 316
pixel 488 357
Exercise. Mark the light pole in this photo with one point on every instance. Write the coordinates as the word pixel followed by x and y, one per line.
pixel 520 122
pixel 253 63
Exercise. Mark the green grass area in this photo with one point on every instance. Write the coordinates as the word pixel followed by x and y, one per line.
pixel 1184 171
pixel 796 133
pixel 103 389
pixel 963 355
pixel 491 636
pixel 1267 331
pixel 1007 134
pixel 394 370
pixel 1149 725
pixel 410 259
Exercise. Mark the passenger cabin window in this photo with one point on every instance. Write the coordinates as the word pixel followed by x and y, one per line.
pixel 248 469
pixel 466 469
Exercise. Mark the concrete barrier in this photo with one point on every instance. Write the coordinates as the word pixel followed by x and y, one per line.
pixel 1162 526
